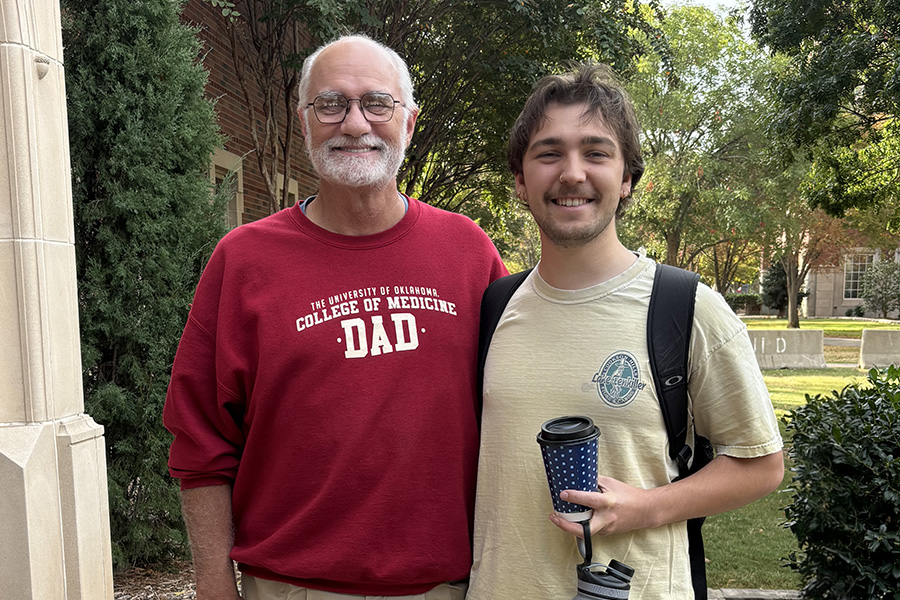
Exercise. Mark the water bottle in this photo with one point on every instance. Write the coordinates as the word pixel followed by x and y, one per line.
pixel 613 583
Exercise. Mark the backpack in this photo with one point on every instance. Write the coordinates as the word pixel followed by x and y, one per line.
pixel 669 323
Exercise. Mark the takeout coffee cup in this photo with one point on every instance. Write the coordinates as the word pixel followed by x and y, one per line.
pixel 569 448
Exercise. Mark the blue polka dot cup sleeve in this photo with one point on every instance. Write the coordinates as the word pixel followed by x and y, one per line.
pixel 569 448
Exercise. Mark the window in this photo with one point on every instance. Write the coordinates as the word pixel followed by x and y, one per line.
pixel 855 266
pixel 292 190
pixel 225 163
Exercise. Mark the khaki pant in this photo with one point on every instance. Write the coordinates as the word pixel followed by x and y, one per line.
pixel 254 588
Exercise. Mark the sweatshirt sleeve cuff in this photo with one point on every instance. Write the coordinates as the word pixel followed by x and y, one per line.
pixel 188 483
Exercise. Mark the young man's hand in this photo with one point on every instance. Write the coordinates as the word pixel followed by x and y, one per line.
pixel 618 508
pixel 724 484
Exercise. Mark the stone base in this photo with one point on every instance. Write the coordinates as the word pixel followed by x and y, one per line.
pixel 789 348
pixel 725 594
pixel 879 348
pixel 54 511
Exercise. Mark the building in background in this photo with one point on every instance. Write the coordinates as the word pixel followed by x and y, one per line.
pixel 250 199
pixel 835 290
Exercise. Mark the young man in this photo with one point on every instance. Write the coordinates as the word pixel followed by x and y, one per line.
pixel 573 341
pixel 327 368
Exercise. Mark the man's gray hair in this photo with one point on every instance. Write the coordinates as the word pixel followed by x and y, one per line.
pixel 405 81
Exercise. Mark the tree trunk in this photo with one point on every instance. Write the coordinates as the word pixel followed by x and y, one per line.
pixel 793 293
pixel 673 243
pixel 793 308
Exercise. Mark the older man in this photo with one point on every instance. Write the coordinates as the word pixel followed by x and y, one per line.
pixel 327 368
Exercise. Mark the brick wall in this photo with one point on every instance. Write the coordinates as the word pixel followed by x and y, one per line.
pixel 233 116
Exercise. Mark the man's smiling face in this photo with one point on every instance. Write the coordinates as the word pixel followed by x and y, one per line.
pixel 355 152
pixel 573 176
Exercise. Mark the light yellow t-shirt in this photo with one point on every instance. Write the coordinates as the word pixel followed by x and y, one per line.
pixel 584 352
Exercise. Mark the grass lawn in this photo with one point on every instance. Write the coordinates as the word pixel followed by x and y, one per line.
pixel 841 355
pixel 745 547
pixel 847 328
pixel 788 387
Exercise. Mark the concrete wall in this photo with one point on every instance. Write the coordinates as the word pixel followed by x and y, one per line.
pixel 54 509
pixel 789 348
pixel 879 348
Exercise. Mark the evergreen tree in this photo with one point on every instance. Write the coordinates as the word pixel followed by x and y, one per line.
pixel 141 136
pixel 774 287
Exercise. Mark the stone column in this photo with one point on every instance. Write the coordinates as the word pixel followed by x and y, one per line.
pixel 54 508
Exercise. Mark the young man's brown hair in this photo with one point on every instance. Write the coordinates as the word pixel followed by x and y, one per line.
pixel 596 87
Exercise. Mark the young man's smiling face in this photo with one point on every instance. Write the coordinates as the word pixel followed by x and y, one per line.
pixel 573 176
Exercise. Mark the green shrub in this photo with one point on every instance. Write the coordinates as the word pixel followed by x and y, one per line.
pixel 845 510
pixel 743 301
pixel 142 135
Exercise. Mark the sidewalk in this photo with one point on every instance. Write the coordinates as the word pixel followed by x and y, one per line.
pixel 726 594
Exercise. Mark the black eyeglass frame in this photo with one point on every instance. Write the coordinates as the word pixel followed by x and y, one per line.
pixel 359 100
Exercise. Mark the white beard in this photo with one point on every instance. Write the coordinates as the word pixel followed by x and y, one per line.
pixel 352 171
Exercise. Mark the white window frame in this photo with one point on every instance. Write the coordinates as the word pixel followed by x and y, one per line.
pixel 853 274
pixel 225 162
pixel 293 190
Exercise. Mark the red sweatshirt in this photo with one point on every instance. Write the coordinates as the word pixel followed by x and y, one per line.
pixel 330 380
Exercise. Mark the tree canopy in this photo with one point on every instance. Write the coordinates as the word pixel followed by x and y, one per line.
pixel 881 287
pixel 800 238
pixel 700 113
pixel 473 63
pixel 840 96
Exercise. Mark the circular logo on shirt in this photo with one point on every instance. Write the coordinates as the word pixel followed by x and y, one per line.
pixel 619 379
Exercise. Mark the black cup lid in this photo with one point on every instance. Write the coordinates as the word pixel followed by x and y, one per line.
pixel 570 429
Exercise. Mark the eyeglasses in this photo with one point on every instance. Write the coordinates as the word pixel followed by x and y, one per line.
pixel 377 107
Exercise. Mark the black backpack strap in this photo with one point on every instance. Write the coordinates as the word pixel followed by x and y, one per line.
pixel 697 556
pixel 493 301
pixel 669 324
